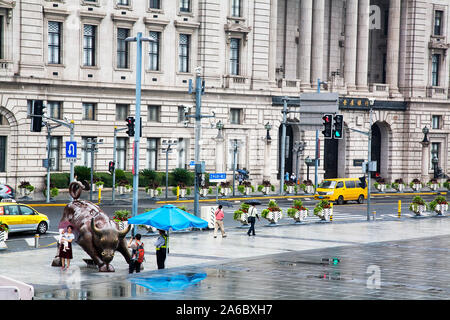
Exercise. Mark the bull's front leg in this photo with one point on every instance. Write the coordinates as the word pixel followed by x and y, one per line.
pixel 123 249
pixel 85 241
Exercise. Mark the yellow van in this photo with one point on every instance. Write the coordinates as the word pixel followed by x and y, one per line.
pixel 20 217
pixel 341 190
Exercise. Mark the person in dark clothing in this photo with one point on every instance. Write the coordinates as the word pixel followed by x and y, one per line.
pixel 161 245
pixel 252 215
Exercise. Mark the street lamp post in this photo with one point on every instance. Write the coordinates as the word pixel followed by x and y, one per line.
pixel 235 150
pixel 268 127
pixel 425 154
pixel 167 150
pixel 137 133
pixel 299 146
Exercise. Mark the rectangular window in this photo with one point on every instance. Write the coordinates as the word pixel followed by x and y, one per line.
pixel 154 50
pixel 235 8
pixel 86 154
pixel 1 39
pixel 89 45
pixel 153 113
pixel 435 70
pixel 89 111
pixel 239 161
pixel 438 14
pixel 235 45
pixel 55 148
pixel 2 153
pixel 185 5
pixel 122 48
pixel 350 184
pixel 436 122
pixel 123 2
pixel 54 109
pixel 181 149
pixel 121 112
pixel 155 4
pixel 435 151
pixel 181 116
pixel 54 42
pixel 183 54
pixel 235 116
pixel 121 153
pixel 152 153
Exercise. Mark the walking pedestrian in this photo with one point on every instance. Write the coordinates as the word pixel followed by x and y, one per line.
pixel 219 222
pixel 65 253
pixel 161 247
pixel 286 177
pixel 293 177
pixel 135 243
pixel 252 215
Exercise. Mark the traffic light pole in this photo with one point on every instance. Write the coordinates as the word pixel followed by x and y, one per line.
pixel 114 161
pixel 283 144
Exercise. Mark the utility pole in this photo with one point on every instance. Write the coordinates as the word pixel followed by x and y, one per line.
pixel 91 146
pixel 235 149
pixel 137 133
pixel 199 91
pixel 283 143
pixel 115 161
pixel 169 144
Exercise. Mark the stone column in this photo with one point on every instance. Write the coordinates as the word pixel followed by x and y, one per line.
pixel 363 45
pixel 317 41
pixel 424 177
pixel 267 160
pixel 351 38
pixel 304 44
pixel 393 46
pixel 220 156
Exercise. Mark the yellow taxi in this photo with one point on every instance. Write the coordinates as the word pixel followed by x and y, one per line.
pixel 341 190
pixel 20 217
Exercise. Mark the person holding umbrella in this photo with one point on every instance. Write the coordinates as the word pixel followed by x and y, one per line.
pixel 252 215
pixel 161 247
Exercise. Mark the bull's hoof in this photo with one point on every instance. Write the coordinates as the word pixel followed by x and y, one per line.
pixel 106 268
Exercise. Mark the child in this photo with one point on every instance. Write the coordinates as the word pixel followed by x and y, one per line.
pixel 64 243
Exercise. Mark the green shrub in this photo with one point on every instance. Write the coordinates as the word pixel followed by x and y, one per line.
pixel 82 173
pixel 60 180
pixel 183 176
pixel 106 177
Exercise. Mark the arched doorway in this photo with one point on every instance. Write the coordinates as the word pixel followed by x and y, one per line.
pixel 288 161
pixel 380 148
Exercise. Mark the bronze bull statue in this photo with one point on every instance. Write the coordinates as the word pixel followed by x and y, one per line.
pixel 95 232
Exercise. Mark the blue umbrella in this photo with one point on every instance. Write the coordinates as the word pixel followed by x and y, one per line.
pixel 169 283
pixel 169 217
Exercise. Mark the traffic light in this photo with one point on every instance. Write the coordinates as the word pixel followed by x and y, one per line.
pixel 111 166
pixel 130 125
pixel 327 123
pixel 37 110
pixel 338 131
pixel 362 184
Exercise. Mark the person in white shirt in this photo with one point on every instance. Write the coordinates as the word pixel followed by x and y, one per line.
pixel 66 255
pixel 252 215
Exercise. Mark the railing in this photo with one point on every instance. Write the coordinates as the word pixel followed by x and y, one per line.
pixel 379 88
pixel 437 92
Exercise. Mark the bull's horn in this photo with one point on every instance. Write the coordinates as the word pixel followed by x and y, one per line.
pixel 123 233
pixel 95 229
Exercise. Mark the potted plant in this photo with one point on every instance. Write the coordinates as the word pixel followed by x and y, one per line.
pixel 266 187
pixel 439 205
pixel 298 212
pixel 323 210
pixel 153 189
pixel 242 214
pixel 25 188
pixel 128 188
pixel 380 184
pixel 121 218
pixel 433 184
pixel 447 184
pixel 205 189
pixel 225 188
pixel 99 184
pixel 3 233
pixel 273 213
pixel 289 187
pixel 415 184
pixel 398 185
pixel 418 206
pixel 121 185
pixel 307 186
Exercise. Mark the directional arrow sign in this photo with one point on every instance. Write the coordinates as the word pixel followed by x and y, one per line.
pixel 71 149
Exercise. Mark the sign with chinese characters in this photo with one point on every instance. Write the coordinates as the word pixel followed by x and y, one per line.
pixel 354 102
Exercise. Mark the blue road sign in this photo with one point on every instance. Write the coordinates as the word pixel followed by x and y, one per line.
pixel 71 149
pixel 217 177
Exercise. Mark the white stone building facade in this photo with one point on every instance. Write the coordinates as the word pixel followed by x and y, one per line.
pixel 71 54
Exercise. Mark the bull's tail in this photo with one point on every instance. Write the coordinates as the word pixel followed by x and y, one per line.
pixel 75 189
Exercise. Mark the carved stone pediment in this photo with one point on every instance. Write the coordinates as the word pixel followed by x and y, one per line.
pixel 438 43
pixel 233 29
pixel 9 4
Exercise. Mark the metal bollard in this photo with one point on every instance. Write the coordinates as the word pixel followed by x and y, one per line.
pixel 399 208
pixel 331 214
pixel 374 215
pixel 36 240
pixel 99 195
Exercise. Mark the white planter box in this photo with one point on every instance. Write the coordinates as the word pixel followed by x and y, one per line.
pixel 247 191
pixel 325 214
pixel 381 187
pixel 274 216
pixel 225 191
pixel 401 187
pixel 434 186
pixel 244 218
pixel 93 187
pixel 182 193
pixel 309 189
pixel 441 208
pixel 121 189
pixel 290 189
pixel 3 236
pixel 301 215
pixel 416 187
pixel 204 192
pixel 420 209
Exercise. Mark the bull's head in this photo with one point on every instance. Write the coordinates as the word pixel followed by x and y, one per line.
pixel 107 240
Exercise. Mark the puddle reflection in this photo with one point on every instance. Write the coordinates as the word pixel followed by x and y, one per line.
pixel 169 283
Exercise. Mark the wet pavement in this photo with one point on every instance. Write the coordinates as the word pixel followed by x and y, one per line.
pixel 405 259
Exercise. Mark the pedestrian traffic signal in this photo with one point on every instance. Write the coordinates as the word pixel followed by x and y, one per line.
pixel 338 131
pixel 111 166
pixel 327 123
pixel 130 125
pixel 37 110
pixel 362 184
